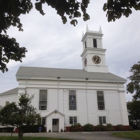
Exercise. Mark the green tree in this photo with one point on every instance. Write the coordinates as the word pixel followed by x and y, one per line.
pixel 20 114
pixel 117 8
pixel 134 85
pixel 133 108
pixel 10 11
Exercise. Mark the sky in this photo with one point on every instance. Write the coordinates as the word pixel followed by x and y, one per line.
pixel 50 43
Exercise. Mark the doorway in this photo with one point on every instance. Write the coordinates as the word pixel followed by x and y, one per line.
pixel 55 125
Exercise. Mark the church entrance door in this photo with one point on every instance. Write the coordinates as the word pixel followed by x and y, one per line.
pixel 55 125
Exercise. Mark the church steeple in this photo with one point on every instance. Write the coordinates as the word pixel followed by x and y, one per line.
pixel 93 55
pixel 100 29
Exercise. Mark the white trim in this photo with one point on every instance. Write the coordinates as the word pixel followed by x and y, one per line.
pixel 39 100
pixel 76 100
pixel 69 119
pixel 55 111
pixel 102 119
pixel 70 79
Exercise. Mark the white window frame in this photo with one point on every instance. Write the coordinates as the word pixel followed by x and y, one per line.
pixel 85 44
pixel 102 120
pixel 69 100
pixel 42 120
pixel 95 43
pixel 73 120
pixel 44 100
pixel 103 100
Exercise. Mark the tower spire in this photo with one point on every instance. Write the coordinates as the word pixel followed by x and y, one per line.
pixel 100 30
pixel 87 28
pixel 82 34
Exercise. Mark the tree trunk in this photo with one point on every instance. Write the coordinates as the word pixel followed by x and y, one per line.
pixel 20 133
pixel 137 123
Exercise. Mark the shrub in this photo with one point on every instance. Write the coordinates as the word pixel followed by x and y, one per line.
pixel 33 128
pixel 100 127
pixel 131 128
pixel 76 127
pixel 134 126
pixel 119 127
pixel 88 127
pixel 109 127
pixel 6 129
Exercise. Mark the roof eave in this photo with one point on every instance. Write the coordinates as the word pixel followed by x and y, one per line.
pixel 7 94
pixel 67 79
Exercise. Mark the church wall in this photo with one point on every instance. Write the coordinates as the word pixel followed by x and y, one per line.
pixel 100 69
pixel 40 84
pixel 100 45
pixel 92 107
pixel 123 108
pixel 81 106
pixel 60 98
pixel 87 108
pixel 8 98
pixel 112 104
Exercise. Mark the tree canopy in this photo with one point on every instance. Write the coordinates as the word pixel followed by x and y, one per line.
pixel 117 8
pixel 20 114
pixel 10 11
pixel 133 108
pixel 133 86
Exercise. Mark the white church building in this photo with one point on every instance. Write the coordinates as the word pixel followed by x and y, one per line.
pixel 67 96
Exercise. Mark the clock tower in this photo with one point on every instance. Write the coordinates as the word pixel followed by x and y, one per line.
pixel 93 56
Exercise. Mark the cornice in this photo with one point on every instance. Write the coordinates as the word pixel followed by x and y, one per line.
pixel 67 79
pixel 92 34
pixel 92 49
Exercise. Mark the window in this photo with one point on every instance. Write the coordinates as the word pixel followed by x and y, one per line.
pixel 94 43
pixel 55 122
pixel 100 98
pixel 72 120
pixel 43 100
pixel 102 120
pixel 85 44
pixel 72 99
pixel 85 62
pixel 43 120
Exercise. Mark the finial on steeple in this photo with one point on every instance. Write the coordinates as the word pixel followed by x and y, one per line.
pixel 82 34
pixel 87 28
pixel 100 30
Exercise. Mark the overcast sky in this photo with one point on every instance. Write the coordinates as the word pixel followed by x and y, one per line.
pixel 50 43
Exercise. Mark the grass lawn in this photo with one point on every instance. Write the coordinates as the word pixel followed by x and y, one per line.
pixel 132 135
pixel 30 138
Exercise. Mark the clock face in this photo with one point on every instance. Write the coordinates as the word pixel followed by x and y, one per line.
pixel 96 59
pixel 85 62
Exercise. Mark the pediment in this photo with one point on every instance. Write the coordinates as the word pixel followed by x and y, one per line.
pixel 54 112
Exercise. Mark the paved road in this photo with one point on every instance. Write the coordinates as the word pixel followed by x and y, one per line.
pixel 73 135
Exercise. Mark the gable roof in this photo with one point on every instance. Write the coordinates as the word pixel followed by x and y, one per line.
pixel 40 72
pixel 12 91
pixel 55 111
